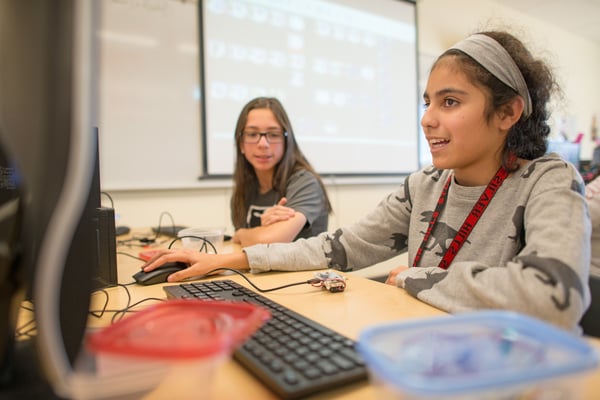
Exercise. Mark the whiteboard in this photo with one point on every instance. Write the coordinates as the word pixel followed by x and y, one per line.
pixel 149 107
pixel 345 70
pixel 165 120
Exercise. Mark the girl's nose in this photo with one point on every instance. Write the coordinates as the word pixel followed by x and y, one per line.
pixel 428 119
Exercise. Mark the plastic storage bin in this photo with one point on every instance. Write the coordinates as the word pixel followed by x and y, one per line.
pixel 482 355
pixel 195 238
pixel 167 351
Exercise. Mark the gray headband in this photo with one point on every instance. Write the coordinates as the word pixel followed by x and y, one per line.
pixel 494 58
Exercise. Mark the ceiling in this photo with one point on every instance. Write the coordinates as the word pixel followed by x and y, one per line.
pixel 581 17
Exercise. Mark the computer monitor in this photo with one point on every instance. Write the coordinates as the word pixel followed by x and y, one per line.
pixel 47 115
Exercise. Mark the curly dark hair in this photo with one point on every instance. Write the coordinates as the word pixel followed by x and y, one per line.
pixel 527 138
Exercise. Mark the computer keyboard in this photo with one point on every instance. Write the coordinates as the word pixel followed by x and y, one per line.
pixel 291 354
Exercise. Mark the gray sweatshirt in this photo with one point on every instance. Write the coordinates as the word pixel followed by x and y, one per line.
pixel 529 252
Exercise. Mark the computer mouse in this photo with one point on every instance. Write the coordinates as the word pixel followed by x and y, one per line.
pixel 159 275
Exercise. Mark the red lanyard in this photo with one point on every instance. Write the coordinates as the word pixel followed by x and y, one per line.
pixel 467 226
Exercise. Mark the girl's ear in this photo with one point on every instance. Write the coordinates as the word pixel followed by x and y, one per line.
pixel 511 112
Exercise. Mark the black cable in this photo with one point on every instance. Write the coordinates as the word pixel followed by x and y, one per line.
pixel 24 307
pixel 99 314
pixel 202 249
pixel 134 241
pixel 128 299
pixel 313 281
pixel 104 309
pixel 119 310
pixel 143 241
pixel 112 203
pixel 121 313
pixel 21 332
pixel 309 281
pixel 27 333
pixel 158 230
pixel 130 255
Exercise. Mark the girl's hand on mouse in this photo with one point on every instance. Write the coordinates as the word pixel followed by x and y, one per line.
pixel 277 213
pixel 200 264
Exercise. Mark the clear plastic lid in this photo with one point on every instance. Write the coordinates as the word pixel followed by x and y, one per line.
pixel 471 351
pixel 180 329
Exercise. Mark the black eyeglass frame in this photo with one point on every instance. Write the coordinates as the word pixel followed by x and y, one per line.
pixel 266 136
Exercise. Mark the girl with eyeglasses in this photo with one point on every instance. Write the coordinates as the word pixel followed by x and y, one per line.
pixel 277 195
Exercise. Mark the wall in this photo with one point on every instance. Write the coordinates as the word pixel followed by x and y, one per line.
pixel 440 24
pixel 208 205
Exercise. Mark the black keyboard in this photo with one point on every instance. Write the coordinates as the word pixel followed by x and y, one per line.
pixel 291 354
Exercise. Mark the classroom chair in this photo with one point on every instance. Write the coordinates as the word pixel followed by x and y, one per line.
pixel 590 322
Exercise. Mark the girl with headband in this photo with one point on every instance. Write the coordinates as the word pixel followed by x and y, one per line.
pixel 494 223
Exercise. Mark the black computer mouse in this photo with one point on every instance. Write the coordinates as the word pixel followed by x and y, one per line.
pixel 159 275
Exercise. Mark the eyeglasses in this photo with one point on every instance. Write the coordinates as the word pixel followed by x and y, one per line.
pixel 272 137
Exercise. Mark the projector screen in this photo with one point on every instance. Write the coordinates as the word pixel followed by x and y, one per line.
pixel 345 70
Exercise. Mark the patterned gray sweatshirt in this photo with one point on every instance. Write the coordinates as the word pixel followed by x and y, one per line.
pixel 529 252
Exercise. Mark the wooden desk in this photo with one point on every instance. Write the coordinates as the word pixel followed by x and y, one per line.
pixel 363 303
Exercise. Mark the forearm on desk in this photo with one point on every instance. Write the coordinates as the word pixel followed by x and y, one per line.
pixel 279 232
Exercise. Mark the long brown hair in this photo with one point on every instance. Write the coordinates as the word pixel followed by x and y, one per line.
pixel 244 176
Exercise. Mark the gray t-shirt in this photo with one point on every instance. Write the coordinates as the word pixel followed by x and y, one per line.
pixel 304 194
pixel 529 252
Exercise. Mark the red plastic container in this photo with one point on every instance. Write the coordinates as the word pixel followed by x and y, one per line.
pixel 170 349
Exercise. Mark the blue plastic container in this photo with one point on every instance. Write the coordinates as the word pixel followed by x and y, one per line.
pixel 481 355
